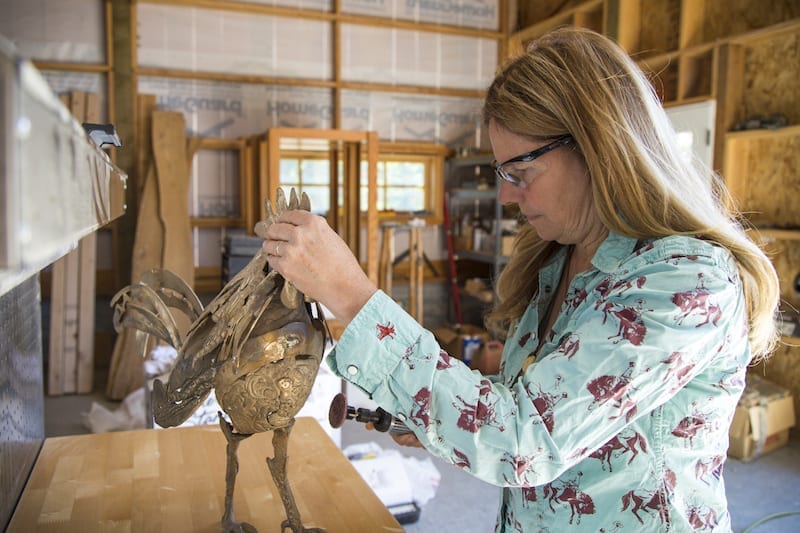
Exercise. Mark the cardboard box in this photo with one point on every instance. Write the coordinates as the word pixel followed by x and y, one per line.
pixel 461 341
pixel 480 289
pixel 762 419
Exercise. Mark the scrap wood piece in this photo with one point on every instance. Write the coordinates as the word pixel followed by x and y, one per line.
pixel 169 153
pixel 172 167
pixel 163 236
pixel 145 106
pixel 87 272
pixel 126 373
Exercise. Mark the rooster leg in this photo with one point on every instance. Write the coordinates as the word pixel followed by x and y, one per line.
pixel 229 524
pixel 277 467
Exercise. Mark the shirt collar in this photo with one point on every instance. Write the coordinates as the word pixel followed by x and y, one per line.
pixel 613 251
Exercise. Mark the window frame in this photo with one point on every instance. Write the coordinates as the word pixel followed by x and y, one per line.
pixel 431 155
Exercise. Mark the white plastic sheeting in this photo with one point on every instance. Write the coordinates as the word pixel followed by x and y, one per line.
pixel 212 40
pixel 56 30
pixel 410 57
pixel 61 82
pixel 482 14
pixel 395 116
pixel 317 5
pixel 229 110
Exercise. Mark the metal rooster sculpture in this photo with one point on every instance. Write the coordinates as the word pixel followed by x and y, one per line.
pixel 257 344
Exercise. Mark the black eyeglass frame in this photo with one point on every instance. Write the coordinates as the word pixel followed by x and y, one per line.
pixel 527 158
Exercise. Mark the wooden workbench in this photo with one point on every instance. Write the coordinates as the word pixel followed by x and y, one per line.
pixel 173 480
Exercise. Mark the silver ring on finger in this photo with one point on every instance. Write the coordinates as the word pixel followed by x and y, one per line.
pixel 278 249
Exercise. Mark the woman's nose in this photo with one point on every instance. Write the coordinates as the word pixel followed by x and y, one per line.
pixel 507 193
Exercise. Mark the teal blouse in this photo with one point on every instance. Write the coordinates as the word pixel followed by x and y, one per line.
pixel 620 424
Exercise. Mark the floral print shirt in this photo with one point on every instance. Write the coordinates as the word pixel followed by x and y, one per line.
pixel 620 424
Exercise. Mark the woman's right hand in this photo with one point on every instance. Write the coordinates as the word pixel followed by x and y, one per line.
pixel 403 439
pixel 306 251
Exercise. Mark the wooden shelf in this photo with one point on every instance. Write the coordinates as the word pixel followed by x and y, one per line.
pixel 779 234
pixel 763 133
pixel 468 194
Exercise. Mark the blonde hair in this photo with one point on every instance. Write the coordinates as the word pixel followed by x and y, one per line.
pixel 579 82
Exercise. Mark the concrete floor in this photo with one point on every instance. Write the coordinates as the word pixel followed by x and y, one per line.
pixel 759 489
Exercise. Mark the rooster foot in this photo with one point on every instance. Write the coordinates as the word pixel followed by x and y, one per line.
pixel 238 527
pixel 299 528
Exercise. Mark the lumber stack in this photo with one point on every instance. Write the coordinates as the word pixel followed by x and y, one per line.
pixel 70 367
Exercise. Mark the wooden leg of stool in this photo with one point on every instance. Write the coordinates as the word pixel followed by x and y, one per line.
pixel 387 257
pixel 420 266
pixel 412 273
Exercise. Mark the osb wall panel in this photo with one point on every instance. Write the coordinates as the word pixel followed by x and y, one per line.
pixel 785 255
pixel 784 366
pixel 532 12
pixel 773 189
pixel 772 77
pixel 724 18
pixel 664 78
pixel 660 26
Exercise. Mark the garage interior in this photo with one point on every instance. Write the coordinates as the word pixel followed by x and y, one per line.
pixel 240 98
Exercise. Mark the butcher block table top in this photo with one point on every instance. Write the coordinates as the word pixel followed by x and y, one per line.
pixel 173 480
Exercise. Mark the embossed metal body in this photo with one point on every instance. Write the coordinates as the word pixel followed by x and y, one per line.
pixel 257 344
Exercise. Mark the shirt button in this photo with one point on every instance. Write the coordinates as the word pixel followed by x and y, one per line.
pixel 352 370
pixel 401 416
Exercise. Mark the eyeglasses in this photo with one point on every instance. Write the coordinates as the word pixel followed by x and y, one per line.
pixel 504 174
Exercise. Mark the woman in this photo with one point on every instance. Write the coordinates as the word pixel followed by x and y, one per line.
pixel 630 309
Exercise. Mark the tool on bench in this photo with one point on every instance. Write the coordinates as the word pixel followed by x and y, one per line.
pixel 383 420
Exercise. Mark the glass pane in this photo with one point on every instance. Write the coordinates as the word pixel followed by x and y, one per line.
pixel 380 204
pixel 319 197
pixel 290 174
pixel 381 174
pixel 406 199
pixel 405 173
pixel 315 171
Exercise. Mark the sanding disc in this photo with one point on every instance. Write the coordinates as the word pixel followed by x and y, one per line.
pixel 337 413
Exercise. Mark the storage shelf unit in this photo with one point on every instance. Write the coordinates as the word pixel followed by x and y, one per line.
pixel 469 180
